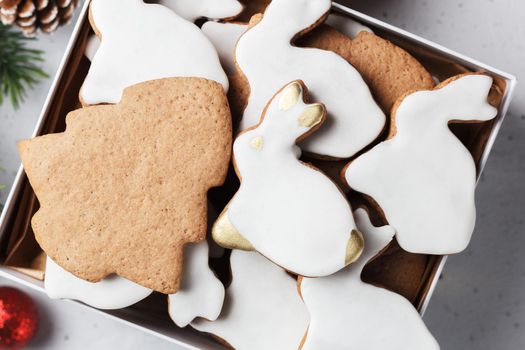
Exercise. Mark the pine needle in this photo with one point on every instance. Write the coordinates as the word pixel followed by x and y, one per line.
pixel 19 68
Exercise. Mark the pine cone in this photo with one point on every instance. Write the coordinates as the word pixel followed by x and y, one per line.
pixel 31 15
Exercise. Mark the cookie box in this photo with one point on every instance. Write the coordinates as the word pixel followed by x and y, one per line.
pixel 412 275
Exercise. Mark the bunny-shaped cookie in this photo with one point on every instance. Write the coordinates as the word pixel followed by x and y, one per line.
pixel 213 9
pixel 285 209
pixel 165 45
pixel 266 57
pixel 347 313
pixel 262 308
pixel 423 177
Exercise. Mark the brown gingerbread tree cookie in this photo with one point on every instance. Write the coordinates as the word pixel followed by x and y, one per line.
pixel 124 188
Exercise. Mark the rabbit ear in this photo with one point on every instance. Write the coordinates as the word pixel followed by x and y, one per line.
pixel 312 115
pixel 290 96
pixel 466 97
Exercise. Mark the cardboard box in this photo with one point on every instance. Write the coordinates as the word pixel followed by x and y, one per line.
pixel 412 275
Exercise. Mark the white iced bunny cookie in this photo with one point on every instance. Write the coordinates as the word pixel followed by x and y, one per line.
pixel 201 293
pixel 192 10
pixel 267 58
pixel 224 36
pixel 347 313
pixel 424 178
pixel 288 211
pixel 262 310
pixel 111 293
pixel 164 45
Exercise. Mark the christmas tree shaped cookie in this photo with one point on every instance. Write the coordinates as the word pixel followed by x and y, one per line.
pixel 268 60
pixel 347 313
pixel 287 210
pixel 423 177
pixel 164 45
pixel 124 188
pixel 262 310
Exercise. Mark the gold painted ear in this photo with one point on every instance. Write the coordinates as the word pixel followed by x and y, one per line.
pixel 226 235
pixel 290 96
pixel 355 247
pixel 312 115
pixel 257 143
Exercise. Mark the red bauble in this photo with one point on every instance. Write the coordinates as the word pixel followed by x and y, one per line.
pixel 18 318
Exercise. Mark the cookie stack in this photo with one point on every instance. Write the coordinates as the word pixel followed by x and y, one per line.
pixel 282 99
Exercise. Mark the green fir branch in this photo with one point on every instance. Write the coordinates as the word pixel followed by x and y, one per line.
pixel 19 68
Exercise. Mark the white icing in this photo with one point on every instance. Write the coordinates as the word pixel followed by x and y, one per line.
pixel 92 45
pixel 291 213
pixel 346 25
pixel 192 10
pixel 163 45
pixel 347 313
pixel 113 292
pixel 262 309
pixel 424 178
pixel 201 293
pixel 224 37
pixel 269 61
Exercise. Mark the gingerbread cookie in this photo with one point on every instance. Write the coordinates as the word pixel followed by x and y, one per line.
pixel 224 36
pixel 262 310
pixel 267 59
pixel 423 178
pixel 121 190
pixel 347 313
pixel 201 293
pixel 111 293
pixel 285 209
pixel 192 10
pixel 389 71
pixel 164 46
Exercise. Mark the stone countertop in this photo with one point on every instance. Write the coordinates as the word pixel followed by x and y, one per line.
pixel 480 301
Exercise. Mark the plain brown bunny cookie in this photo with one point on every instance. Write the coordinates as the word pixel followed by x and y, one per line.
pixel 124 188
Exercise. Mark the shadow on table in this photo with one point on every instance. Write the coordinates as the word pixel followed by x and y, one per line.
pixel 45 327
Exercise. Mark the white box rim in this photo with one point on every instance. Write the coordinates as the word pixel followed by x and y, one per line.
pixel 365 19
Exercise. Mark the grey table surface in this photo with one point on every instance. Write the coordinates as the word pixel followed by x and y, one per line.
pixel 480 302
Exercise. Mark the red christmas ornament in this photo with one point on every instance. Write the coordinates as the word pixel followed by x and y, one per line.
pixel 18 318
